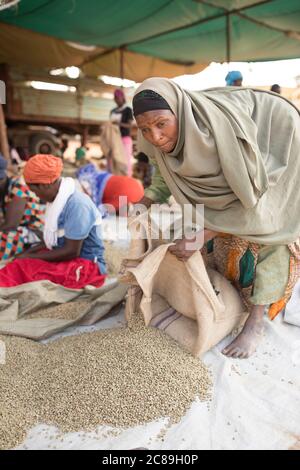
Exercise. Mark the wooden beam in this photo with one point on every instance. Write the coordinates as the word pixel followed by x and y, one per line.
pixel 4 147
pixel 85 135
pixel 122 63
pixel 228 38
pixel 52 120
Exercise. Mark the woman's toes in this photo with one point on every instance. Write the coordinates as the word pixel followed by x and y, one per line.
pixel 226 350
pixel 236 353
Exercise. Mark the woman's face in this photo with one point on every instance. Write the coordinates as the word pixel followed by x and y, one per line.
pixel 119 100
pixel 45 192
pixel 160 128
pixel 41 191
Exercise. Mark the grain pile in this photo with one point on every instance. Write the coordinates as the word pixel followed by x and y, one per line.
pixel 120 377
pixel 73 310
pixel 66 311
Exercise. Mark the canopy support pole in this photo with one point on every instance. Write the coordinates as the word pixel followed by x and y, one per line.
pixel 228 38
pixel 4 147
pixel 122 63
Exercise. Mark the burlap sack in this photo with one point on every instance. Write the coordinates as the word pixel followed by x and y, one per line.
pixel 198 307
pixel 17 302
pixel 112 147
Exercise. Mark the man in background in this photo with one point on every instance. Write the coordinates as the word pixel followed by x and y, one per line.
pixel 276 88
pixel 234 78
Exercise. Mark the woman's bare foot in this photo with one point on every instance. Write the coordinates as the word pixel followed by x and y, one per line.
pixel 244 345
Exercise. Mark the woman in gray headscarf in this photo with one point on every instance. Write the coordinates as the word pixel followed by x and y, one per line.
pixel 236 151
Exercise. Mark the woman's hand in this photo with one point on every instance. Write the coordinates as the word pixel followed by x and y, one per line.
pixel 22 255
pixel 34 249
pixel 140 206
pixel 186 247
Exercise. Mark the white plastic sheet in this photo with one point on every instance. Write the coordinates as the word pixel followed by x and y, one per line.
pixel 255 403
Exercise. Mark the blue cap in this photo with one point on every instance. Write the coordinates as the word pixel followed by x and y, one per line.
pixel 232 76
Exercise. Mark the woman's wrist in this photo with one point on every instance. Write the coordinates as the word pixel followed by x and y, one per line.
pixel 209 235
pixel 141 206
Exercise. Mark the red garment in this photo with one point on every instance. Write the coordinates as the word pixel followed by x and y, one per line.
pixel 74 274
pixel 119 185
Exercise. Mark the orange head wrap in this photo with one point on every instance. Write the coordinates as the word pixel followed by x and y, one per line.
pixel 42 169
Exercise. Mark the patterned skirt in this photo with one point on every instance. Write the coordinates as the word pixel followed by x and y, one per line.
pixel 11 244
pixel 238 261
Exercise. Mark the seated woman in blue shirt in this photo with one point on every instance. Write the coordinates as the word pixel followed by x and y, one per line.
pixel 72 253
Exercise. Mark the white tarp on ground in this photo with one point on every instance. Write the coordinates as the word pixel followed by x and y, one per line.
pixel 255 403
pixel 292 310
